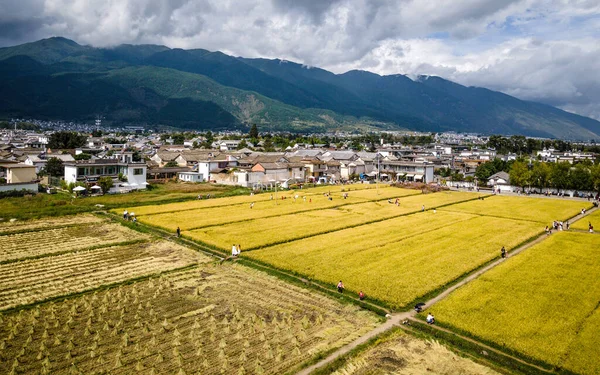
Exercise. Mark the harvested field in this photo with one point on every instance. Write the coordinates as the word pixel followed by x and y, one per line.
pixel 30 225
pixel 63 239
pixel 36 280
pixel 212 320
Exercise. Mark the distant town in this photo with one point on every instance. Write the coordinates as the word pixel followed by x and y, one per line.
pixel 39 156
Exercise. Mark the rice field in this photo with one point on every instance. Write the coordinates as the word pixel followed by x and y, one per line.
pixel 210 320
pixel 398 260
pixel 61 239
pixel 542 303
pixel 31 225
pixel 224 214
pixel 34 280
pixel 258 233
pixel 403 354
pixel 541 210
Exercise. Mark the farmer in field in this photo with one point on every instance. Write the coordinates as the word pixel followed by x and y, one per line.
pixel 233 250
pixel 591 227
pixel 251 205
pixel 430 318
pixel 340 287
pixel 361 295
pixel 423 208
pixel 178 232
pixel 125 215
pixel 503 252
pixel 239 249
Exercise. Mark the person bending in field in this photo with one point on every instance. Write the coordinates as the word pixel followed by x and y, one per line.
pixel 340 287
pixel 430 318
pixel 361 295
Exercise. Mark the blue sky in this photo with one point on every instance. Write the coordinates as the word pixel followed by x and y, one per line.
pixel 542 50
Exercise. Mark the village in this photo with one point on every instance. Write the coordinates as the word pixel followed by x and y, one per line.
pixel 135 160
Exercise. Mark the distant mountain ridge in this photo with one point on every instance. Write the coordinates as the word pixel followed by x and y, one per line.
pixel 57 78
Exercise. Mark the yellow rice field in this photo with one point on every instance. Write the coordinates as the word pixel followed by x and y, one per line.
pixel 262 232
pixel 219 215
pixel 542 303
pixel 399 260
pixel 541 210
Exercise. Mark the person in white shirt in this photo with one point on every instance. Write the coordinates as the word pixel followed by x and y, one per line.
pixel 430 318
pixel 233 250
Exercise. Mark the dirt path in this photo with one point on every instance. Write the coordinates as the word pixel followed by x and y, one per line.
pixel 396 319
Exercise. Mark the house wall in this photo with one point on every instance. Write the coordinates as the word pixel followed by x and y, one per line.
pixel 18 175
pixel 136 173
pixel 70 173
pixel 191 177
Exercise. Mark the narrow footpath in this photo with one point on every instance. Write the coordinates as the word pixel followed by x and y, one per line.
pixel 396 319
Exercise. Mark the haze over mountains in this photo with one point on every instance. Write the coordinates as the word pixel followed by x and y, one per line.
pixel 57 78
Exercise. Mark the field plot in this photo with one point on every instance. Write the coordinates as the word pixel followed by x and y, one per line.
pixel 63 239
pixel 402 354
pixel 541 210
pixel 398 260
pixel 220 215
pixel 262 232
pixel 212 320
pixel 336 191
pixel 593 218
pixel 543 303
pixel 35 280
pixel 30 225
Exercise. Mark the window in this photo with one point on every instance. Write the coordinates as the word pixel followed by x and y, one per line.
pixel 138 171
pixel 223 165
pixel 81 171
pixel 98 170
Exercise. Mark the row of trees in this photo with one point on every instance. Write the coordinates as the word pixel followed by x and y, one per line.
pixel 582 176
pixel 519 144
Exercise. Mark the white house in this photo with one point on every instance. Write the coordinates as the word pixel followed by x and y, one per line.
pixel 412 171
pixel 190 177
pixel 90 171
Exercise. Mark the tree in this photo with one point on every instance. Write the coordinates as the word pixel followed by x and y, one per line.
pixel 55 167
pixel 596 177
pixel 581 178
pixel 171 164
pixel 540 175
pixel 242 144
pixel 560 175
pixel 178 139
pixel 268 145
pixel 83 156
pixel 65 139
pixel 253 133
pixel 97 133
pixel 519 174
pixel 105 183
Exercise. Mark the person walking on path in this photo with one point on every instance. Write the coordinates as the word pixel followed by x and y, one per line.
pixel 233 250
pixel 503 252
pixel 591 227
pixel 423 208
pixel 340 287
pixel 239 249
pixel 178 232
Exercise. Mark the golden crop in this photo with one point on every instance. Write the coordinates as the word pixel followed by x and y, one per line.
pixel 265 231
pixel 543 302
pixel 400 259
pixel 542 210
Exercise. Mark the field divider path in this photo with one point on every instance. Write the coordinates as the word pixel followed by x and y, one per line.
pixel 165 235
pixel 397 318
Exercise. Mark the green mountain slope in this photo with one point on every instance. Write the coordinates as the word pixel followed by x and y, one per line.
pixel 58 78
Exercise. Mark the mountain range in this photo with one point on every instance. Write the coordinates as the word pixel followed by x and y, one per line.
pixel 57 78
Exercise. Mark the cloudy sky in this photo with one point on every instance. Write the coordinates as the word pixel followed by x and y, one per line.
pixel 542 50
